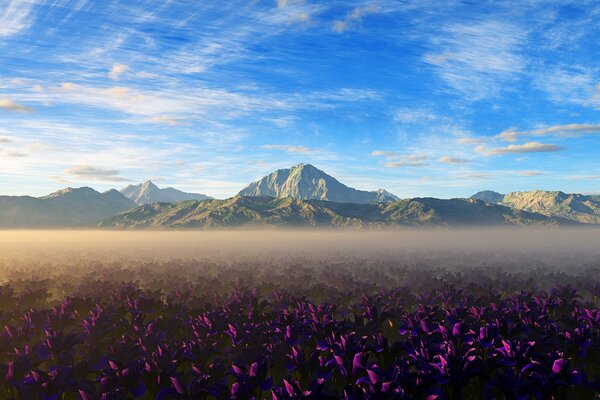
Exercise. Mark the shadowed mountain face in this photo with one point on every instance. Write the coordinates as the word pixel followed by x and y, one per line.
pixel 576 207
pixel 306 182
pixel 148 192
pixel 488 196
pixel 65 208
pixel 240 211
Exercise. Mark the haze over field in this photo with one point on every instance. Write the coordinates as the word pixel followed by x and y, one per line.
pixel 494 248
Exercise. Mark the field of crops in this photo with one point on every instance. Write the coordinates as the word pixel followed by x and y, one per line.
pixel 302 328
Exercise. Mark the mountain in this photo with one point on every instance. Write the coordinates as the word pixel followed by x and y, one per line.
pixel 64 208
pixel 148 192
pixel 303 181
pixel 577 207
pixel 262 211
pixel 488 196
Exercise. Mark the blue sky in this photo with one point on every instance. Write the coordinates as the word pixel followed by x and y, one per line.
pixel 423 98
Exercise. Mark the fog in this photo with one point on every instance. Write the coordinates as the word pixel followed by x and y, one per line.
pixel 554 247
pixel 313 262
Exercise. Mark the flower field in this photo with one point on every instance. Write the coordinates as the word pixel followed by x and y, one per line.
pixel 332 331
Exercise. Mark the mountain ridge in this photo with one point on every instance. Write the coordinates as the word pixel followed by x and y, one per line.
pixel 147 193
pixel 68 207
pixel 574 206
pixel 242 211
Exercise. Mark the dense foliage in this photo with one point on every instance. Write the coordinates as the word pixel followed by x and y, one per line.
pixel 373 332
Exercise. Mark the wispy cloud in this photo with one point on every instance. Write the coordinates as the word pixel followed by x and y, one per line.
pixel 531 147
pixel 14 154
pixel 511 135
pixel 476 59
pixel 414 116
pixel 9 105
pixel 530 173
pixel 15 16
pixel 573 85
pixel 398 160
pixel 175 106
pixel 290 148
pixel 117 70
pixel 453 160
pixel 163 119
pixel 95 173
pixel 353 19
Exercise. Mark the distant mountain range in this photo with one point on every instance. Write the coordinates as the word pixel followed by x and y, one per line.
pixel 576 207
pixel 298 196
pixel 261 211
pixel 305 182
pixel 65 208
pixel 148 193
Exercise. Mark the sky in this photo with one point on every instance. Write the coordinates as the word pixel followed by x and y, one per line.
pixel 420 97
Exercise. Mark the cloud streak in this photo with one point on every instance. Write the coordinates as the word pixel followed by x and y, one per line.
pixel 453 160
pixel 290 148
pixel 531 147
pixel 511 135
pixel 398 160
pixel 15 16
pixel 9 105
pixel 95 173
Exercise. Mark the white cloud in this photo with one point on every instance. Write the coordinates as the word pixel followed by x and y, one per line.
pixel 567 129
pixel 353 19
pixel 117 70
pixel 14 154
pixel 164 119
pixel 453 160
pixel 530 173
pixel 15 16
pixel 59 179
pixel 511 135
pixel 9 105
pixel 290 148
pixel 95 173
pixel 468 140
pixel 4 139
pixel 398 160
pixel 531 147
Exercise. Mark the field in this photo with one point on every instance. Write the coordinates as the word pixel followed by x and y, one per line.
pixel 421 314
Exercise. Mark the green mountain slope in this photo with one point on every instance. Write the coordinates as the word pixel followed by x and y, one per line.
pixel 65 208
pixel 306 182
pixel 244 211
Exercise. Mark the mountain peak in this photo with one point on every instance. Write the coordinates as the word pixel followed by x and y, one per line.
pixel 488 196
pixel 85 190
pixel 306 182
pixel 149 183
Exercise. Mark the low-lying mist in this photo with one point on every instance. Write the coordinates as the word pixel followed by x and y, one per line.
pixel 182 257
